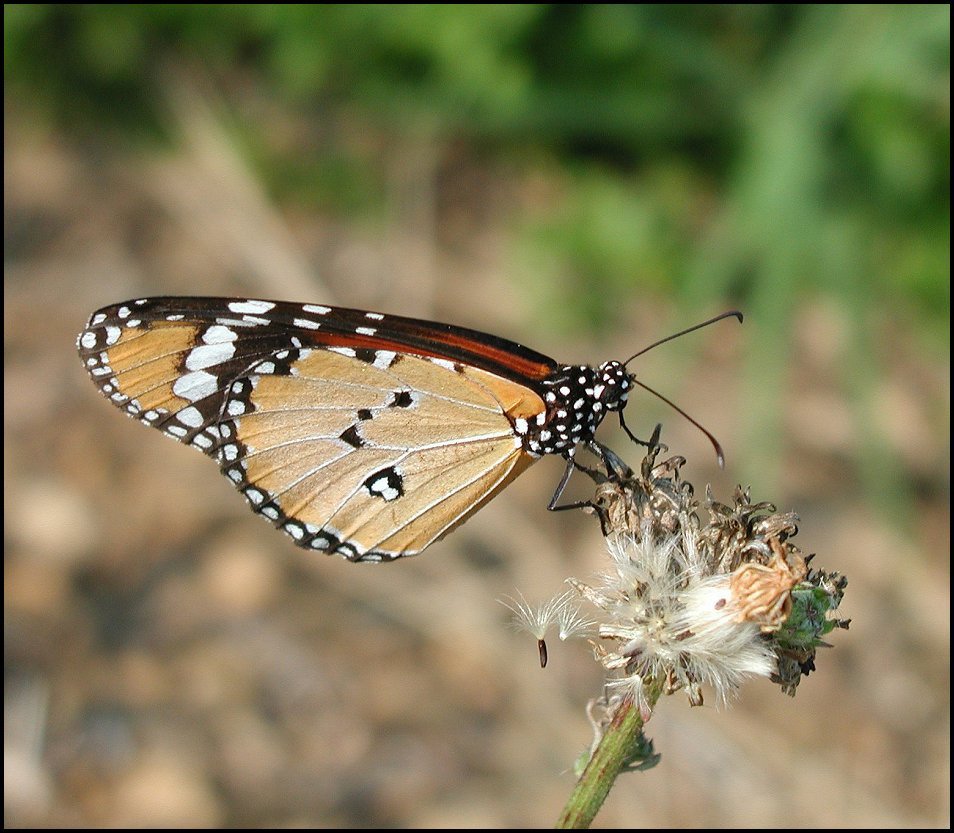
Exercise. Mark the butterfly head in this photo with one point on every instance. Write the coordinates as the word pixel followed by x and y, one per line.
pixel 614 385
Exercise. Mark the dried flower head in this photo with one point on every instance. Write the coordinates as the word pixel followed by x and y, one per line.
pixel 688 603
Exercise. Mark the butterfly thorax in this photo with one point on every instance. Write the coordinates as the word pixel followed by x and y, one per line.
pixel 577 398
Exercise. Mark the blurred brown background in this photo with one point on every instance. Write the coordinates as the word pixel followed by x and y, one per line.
pixel 581 179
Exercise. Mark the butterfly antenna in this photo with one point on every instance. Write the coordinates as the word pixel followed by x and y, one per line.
pixel 720 457
pixel 732 313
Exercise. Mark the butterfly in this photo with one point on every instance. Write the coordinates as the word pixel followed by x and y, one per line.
pixel 357 433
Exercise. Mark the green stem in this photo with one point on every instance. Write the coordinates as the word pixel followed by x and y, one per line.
pixel 614 753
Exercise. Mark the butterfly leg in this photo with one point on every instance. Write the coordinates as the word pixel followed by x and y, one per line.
pixel 558 492
pixel 616 469
pixel 653 446
pixel 651 443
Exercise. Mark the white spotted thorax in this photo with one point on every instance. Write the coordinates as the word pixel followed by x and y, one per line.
pixel 577 399
pixel 355 432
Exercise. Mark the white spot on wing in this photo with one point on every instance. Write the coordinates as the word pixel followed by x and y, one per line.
pixel 190 416
pixel 365 331
pixel 316 308
pixel 88 340
pixel 375 315
pixel 384 486
pixel 234 322
pixel 295 531
pixel 207 355
pixel 217 334
pixel 195 386
pixel 251 306
pixel 306 324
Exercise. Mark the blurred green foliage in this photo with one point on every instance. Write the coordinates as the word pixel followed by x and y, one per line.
pixel 820 133
pixel 760 153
